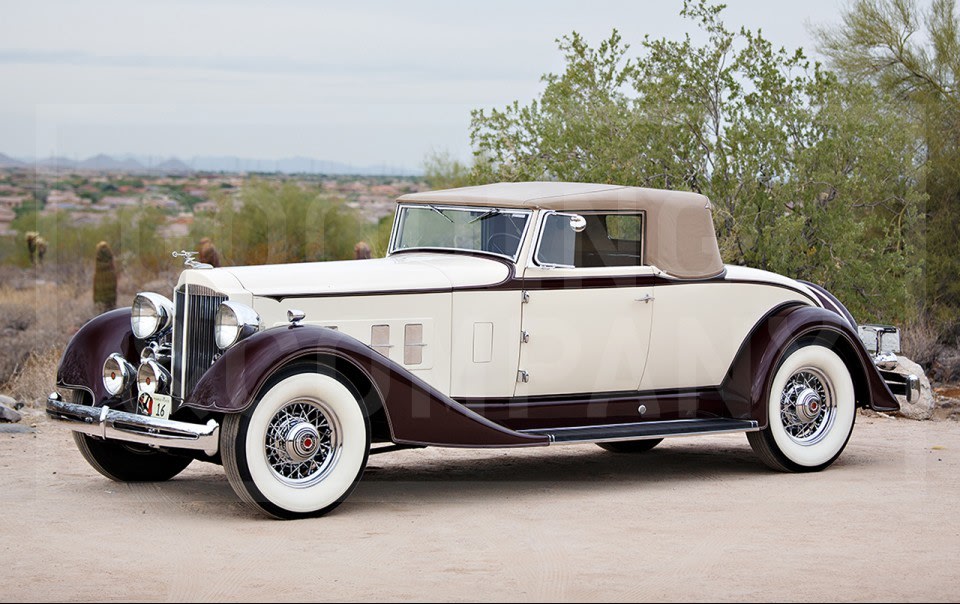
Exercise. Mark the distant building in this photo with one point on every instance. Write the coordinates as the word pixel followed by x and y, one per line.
pixel 119 202
pixel 161 201
pixel 205 207
pixel 61 200
pixel 7 216
pixel 10 201
pixel 176 227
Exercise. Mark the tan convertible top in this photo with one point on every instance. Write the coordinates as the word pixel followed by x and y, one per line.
pixel 680 239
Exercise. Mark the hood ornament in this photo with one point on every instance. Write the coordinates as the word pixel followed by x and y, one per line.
pixel 188 259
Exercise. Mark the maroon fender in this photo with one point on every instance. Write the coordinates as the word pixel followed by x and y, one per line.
pixel 749 378
pixel 81 365
pixel 416 412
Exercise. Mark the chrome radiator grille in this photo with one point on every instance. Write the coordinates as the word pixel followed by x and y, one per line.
pixel 193 345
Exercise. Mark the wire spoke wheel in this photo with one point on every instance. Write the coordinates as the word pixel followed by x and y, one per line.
pixel 811 409
pixel 300 448
pixel 303 442
pixel 807 406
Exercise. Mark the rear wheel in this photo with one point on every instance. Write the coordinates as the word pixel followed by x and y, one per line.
pixel 300 449
pixel 125 462
pixel 631 446
pixel 811 410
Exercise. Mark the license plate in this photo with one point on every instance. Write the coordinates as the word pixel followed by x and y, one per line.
pixel 154 405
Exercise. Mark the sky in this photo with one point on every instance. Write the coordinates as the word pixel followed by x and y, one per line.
pixel 364 83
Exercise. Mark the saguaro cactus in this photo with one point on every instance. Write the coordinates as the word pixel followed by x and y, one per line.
pixel 31 239
pixel 105 279
pixel 41 244
pixel 208 253
pixel 361 251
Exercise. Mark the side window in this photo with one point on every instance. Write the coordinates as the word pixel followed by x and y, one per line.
pixel 557 242
pixel 609 239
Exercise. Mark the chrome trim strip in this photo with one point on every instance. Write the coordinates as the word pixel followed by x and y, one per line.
pixel 177 360
pixel 104 422
pixel 551 433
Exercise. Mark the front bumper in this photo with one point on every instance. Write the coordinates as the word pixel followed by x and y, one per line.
pixel 108 423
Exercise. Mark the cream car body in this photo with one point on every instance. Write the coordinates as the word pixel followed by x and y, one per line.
pixel 514 314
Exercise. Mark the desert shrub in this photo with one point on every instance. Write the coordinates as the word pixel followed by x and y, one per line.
pixel 919 341
pixel 37 319
pixel 272 223
pixel 131 233
pixel 36 378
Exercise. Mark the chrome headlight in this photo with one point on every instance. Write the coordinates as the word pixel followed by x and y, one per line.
pixel 234 322
pixel 117 374
pixel 152 377
pixel 151 315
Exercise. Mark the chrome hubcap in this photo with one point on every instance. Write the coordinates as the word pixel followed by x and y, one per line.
pixel 302 443
pixel 807 406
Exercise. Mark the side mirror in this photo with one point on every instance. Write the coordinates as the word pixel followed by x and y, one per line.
pixel 578 223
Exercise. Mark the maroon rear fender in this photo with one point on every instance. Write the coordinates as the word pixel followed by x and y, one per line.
pixel 81 365
pixel 416 412
pixel 749 378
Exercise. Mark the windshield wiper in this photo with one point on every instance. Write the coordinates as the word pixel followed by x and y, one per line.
pixel 485 215
pixel 439 211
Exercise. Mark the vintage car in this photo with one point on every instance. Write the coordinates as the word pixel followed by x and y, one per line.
pixel 505 315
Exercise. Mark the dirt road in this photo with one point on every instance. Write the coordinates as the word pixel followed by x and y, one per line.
pixel 695 519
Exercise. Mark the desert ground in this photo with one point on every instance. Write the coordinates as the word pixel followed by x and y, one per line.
pixel 694 519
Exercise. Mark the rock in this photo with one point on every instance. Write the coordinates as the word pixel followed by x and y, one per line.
pixel 16 429
pixel 948 403
pixel 922 408
pixel 11 402
pixel 9 414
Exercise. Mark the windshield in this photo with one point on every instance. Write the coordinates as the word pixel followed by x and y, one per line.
pixel 492 230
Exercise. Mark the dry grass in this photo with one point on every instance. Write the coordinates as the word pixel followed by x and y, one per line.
pixel 920 343
pixel 40 310
pixel 36 377
pixel 923 341
pixel 37 318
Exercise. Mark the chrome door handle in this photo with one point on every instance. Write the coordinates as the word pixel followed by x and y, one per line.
pixel 646 298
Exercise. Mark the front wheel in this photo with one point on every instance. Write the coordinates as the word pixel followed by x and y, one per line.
pixel 125 462
pixel 300 449
pixel 811 409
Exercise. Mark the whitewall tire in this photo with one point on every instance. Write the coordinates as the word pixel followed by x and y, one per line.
pixel 811 409
pixel 128 462
pixel 301 447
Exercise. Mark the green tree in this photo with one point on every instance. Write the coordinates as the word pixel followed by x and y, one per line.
pixel 442 171
pixel 913 53
pixel 281 222
pixel 810 176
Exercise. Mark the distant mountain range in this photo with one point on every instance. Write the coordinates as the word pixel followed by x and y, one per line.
pixel 137 164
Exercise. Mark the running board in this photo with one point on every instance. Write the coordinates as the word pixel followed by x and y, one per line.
pixel 644 430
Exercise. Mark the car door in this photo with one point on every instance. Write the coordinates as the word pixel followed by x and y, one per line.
pixel 587 306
